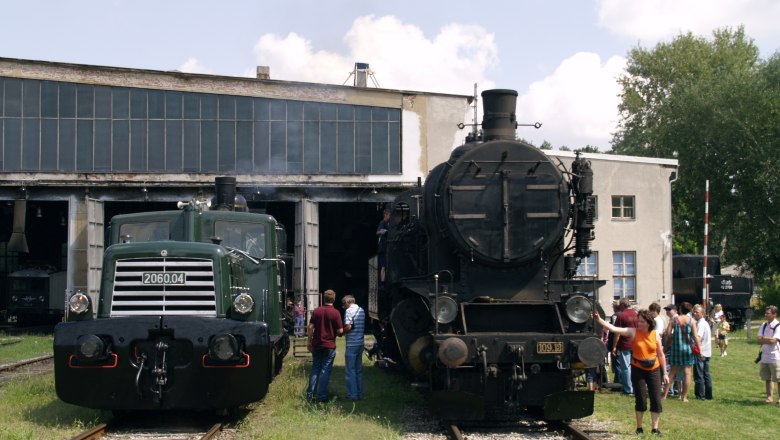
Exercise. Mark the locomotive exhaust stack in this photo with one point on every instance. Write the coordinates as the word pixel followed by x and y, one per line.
pixel 500 120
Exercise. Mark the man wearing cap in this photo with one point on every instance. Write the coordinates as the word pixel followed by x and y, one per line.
pixel 621 348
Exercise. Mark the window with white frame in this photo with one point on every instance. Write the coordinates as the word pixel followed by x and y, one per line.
pixel 623 208
pixel 624 275
pixel 589 266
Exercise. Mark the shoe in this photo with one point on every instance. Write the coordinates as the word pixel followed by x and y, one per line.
pixel 657 432
pixel 725 354
pixel 639 431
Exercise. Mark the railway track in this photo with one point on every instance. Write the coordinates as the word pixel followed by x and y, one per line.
pixel 123 431
pixel 521 429
pixel 25 368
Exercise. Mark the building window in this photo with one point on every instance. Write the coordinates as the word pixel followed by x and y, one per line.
pixel 623 207
pixel 589 267
pixel 624 274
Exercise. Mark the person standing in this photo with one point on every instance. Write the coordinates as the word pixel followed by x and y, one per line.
pixel 300 313
pixel 354 329
pixel 701 374
pixel 676 382
pixel 723 335
pixel 381 251
pixel 655 312
pixel 324 326
pixel 684 335
pixel 648 366
pixel 621 349
pixel 769 338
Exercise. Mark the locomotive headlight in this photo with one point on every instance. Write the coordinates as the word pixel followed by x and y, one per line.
pixel 243 303
pixel 445 311
pixel 90 347
pixel 223 347
pixel 578 309
pixel 78 303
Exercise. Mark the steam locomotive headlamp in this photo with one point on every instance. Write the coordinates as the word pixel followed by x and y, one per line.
pixel 90 347
pixel 445 311
pixel 78 303
pixel 223 347
pixel 243 303
pixel 578 309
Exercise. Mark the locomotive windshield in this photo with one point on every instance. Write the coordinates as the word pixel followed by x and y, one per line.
pixel 249 237
pixel 144 231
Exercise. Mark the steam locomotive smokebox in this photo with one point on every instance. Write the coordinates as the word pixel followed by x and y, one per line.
pixel 499 120
pixel 225 188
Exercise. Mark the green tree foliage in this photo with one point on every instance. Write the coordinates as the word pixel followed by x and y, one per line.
pixel 714 105
pixel 546 146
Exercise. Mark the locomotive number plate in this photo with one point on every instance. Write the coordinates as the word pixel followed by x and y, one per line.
pixel 549 347
pixel 163 277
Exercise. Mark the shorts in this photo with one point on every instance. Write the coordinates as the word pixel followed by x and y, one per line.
pixel 722 337
pixel 770 371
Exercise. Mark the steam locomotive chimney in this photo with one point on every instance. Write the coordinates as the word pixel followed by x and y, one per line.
pixel 225 188
pixel 499 120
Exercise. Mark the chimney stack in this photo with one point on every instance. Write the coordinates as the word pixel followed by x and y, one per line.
pixel 263 72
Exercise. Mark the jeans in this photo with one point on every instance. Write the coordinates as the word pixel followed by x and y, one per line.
pixel 702 378
pixel 353 366
pixel 299 326
pixel 624 370
pixel 321 365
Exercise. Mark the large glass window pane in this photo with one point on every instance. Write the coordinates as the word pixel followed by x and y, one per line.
pixel 120 139
pixel 328 147
pixel 49 99
pixel 311 147
pixel 173 105
pixel 31 144
pixel 156 104
pixel 208 107
pixel 138 145
pixel 67 144
pixel 13 97
pixel 244 108
pixel 262 109
pixel 156 146
pixel 102 161
pixel 191 144
pixel 67 101
pixel 244 161
pixel 311 111
pixel 49 128
pixel 173 146
pixel 12 144
pixel 85 101
pixel 138 104
pixel 379 157
pixel 328 112
pixel 278 146
pixel 394 147
pixel 262 145
pixel 31 106
pixel 362 113
pixel 295 146
pixel 346 146
pixel 346 112
pixel 227 108
pixel 227 146
pixel 294 111
pixel 191 106
pixel 363 147
pixel 84 144
pixel 120 103
pixel 102 102
pixel 208 145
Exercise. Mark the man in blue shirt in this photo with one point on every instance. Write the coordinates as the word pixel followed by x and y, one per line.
pixel 354 327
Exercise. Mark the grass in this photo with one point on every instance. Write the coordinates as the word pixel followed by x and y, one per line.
pixel 737 408
pixel 29 408
pixel 20 347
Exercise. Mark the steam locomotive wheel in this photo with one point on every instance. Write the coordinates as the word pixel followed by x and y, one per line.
pixel 420 353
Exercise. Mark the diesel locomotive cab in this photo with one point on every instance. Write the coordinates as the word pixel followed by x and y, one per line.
pixel 188 315
pixel 480 289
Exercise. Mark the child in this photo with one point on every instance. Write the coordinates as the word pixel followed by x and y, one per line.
pixel 723 332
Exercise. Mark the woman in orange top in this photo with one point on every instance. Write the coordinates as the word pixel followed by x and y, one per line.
pixel 648 366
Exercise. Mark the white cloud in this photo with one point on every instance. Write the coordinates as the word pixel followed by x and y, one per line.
pixel 576 104
pixel 655 20
pixel 399 54
pixel 192 65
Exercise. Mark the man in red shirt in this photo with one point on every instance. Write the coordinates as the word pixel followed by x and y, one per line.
pixel 621 349
pixel 324 326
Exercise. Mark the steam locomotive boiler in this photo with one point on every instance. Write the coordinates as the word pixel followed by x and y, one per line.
pixel 479 297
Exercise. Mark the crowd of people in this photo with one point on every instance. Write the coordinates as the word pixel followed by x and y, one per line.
pixel 653 358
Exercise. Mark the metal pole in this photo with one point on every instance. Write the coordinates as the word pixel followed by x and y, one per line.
pixel 704 289
pixel 436 304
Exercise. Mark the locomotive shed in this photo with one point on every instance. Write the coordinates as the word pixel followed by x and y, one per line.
pixel 82 143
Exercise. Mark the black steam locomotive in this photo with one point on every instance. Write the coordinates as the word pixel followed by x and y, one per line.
pixel 480 297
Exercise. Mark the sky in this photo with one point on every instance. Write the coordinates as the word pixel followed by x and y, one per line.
pixel 562 56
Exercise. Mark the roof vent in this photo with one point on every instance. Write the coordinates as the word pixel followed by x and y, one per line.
pixel 361 73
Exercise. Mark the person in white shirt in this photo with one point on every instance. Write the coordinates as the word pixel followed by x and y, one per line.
pixel 769 338
pixel 660 325
pixel 701 373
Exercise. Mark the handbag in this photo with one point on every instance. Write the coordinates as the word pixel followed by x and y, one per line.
pixel 694 348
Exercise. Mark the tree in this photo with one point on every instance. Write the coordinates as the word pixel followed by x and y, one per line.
pixel 714 105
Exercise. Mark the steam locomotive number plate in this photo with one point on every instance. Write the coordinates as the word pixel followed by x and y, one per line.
pixel 549 347
pixel 163 277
